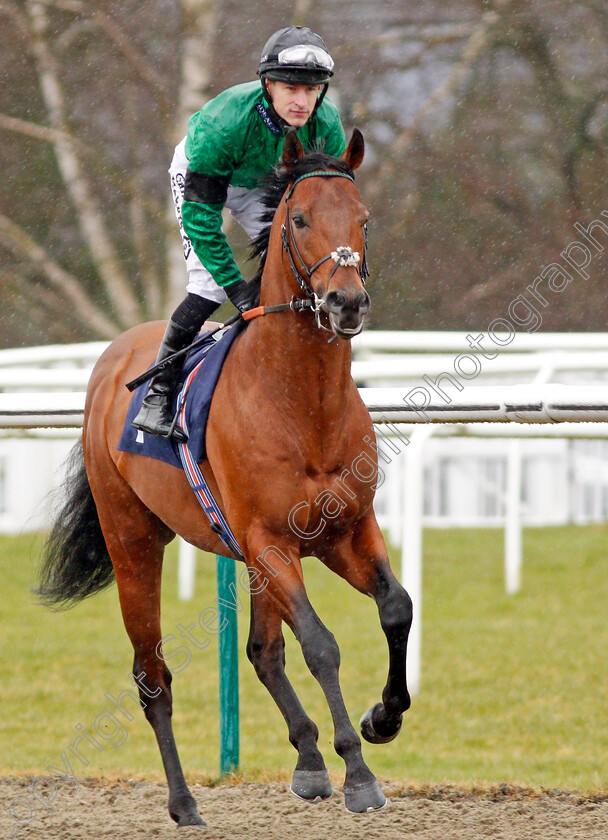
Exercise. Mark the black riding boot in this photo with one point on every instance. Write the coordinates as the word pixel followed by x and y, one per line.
pixel 156 414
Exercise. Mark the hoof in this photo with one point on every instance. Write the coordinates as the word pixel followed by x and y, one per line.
pixel 375 727
pixel 183 811
pixel 190 819
pixel 311 785
pixel 364 799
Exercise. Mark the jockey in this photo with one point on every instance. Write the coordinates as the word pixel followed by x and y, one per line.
pixel 232 143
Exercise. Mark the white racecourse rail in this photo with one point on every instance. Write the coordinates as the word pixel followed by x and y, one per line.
pixel 476 403
pixel 523 404
pixel 38 398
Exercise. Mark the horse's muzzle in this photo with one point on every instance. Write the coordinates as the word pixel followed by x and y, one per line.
pixel 347 311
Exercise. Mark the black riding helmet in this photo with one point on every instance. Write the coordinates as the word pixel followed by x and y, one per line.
pixel 296 55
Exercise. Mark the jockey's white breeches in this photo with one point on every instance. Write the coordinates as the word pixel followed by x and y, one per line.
pixel 244 205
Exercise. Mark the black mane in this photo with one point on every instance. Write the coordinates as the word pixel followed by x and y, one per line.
pixel 274 187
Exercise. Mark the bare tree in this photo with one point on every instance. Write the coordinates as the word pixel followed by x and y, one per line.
pixel 111 274
pixel 486 126
pixel 196 77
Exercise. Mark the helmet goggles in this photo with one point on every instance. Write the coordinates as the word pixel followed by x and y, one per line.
pixel 305 56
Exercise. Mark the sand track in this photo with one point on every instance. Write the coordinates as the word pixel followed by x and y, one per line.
pixel 137 811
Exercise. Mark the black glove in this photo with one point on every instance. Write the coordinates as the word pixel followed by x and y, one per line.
pixel 243 295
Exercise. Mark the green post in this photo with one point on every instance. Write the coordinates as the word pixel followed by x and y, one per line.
pixel 229 665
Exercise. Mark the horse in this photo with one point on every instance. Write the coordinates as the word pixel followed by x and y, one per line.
pixel 292 462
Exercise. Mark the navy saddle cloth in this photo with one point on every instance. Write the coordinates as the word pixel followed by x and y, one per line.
pixel 198 403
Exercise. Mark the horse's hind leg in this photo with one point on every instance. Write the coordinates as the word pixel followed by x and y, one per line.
pixel 136 539
pixel 266 651
pixel 361 559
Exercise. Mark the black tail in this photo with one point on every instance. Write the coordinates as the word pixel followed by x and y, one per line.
pixel 75 562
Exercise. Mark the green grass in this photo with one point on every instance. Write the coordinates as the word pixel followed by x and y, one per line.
pixel 513 687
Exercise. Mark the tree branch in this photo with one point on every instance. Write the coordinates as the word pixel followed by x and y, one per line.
pixel 88 212
pixel 107 24
pixel 40 307
pixel 116 176
pixel 473 49
pixel 19 242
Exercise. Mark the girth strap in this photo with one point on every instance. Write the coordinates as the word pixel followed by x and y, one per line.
pixel 216 518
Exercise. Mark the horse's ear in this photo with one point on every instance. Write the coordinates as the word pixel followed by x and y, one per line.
pixel 355 150
pixel 292 148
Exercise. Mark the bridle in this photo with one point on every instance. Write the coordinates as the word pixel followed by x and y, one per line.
pixel 342 256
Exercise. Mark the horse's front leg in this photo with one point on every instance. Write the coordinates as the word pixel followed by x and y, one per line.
pixel 266 651
pixel 275 565
pixel 361 559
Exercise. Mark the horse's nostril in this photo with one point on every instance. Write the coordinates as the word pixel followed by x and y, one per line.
pixel 338 302
pixel 363 302
pixel 335 300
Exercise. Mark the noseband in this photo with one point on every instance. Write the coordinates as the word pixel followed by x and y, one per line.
pixel 342 256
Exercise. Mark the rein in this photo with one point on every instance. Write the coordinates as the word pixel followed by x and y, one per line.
pixel 342 256
pixel 295 305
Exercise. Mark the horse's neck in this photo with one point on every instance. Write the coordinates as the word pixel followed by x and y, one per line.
pixel 292 350
pixel 306 363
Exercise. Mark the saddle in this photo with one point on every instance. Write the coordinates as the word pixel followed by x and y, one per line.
pixel 200 375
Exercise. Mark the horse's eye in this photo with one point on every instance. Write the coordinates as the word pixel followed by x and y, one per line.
pixel 299 221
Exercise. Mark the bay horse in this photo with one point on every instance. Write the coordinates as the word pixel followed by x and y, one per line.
pixel 291 461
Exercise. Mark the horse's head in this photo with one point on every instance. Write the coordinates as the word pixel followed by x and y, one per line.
pixel 324 236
